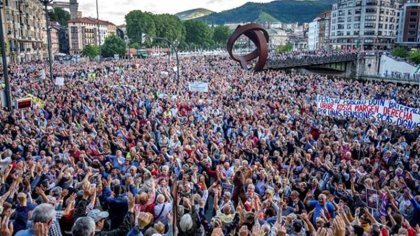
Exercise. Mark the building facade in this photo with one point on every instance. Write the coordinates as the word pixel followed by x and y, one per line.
pixel 84 31
pixel 319 32
pixel 368 24
pixel 313 32
pixel 24 30
pixel 55 38
pixel 409 24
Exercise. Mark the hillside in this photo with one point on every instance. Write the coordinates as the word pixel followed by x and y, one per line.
pixel 287 11
pixel 265 17
pixel 193 13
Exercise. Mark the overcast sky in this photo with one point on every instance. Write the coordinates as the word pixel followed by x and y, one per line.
pixel 115 10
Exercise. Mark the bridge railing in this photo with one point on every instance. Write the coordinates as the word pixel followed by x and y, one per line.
pixel 300 61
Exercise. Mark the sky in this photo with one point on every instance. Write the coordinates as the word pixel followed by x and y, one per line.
pixel 115 10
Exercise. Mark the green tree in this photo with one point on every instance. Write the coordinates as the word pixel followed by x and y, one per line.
pixel 221 35
pixel 91 51
pixel 198 34
pixel 139 23
pixel 400 52
pixel 285 48
pixel 414 55
pixel 113 45
pixel 135 45
pixel 59 15
pixel 169 27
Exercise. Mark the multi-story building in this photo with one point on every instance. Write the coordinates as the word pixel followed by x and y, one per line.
pixel 55 37
pixel 319 32
pixel 409 24
pixel 368 24
pixel 24 30
pixel 84 31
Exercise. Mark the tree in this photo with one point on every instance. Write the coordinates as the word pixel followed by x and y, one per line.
pixel 285 48
pixel 414 55
pixel 221 34
pixel 135 45
pixel 91 51
pixel 399 52
pixel 59 15
pixel 198 34
pixel 139 23
pixel 169 27
pixel 113 45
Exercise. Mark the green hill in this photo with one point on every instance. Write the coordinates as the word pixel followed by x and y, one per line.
pixel 193 13
pixel 287 11
pixel 265 17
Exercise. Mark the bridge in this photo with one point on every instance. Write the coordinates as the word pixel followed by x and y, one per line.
pixel 281 62
pixel 72 5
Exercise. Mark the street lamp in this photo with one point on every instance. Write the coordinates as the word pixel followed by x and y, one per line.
pixel 47 18
pixel 4 58
pixel 173 47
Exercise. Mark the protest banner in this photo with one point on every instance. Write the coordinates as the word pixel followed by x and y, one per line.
pixel 36 100
pixel 198 87
pixel 382 110
pixel 372 198
pixel 59 81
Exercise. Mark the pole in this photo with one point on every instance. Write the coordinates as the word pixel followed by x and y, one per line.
pixel 177 64
pixel 97 23
pixel 4 58
pixel 47 18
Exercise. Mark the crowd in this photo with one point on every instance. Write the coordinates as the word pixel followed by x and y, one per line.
pixel 123 148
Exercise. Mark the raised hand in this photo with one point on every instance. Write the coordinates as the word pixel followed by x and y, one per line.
pixel 339 226
pixel 6 226
pixel 40 229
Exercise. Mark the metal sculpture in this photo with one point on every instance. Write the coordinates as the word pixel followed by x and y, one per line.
pixel 259 36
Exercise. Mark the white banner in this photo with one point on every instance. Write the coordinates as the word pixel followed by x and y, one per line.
pixel 59 81
pixel 383 110
pixel 198 87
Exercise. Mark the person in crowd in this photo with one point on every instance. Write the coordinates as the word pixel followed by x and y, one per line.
pixel 124 148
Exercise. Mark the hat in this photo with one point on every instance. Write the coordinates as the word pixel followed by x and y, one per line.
pixel 97 215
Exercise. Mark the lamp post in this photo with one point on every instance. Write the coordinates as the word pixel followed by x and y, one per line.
pixel 171 46
pixel 47 18
pixel 4 59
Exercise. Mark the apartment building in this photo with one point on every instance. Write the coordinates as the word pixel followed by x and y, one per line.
pixel 368 24
pixel 24 30
pixel 319 32
pixel 84 31
pixel 409 24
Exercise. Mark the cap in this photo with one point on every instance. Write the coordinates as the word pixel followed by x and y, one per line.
pixel 97 215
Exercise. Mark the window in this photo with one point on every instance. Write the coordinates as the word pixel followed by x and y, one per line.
pixel 411 26
pixel 349 12
pixel 349 19
pixel 340 26
pixel 356 26
pixel 370 10
pixel 413 13
pixel 348 26
pixel 413 19
pixel 380 26
pixel 379 32
pixel 356 32
pixel 357 11
pixel 369 32
pixel 369 25
pixel 370 18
